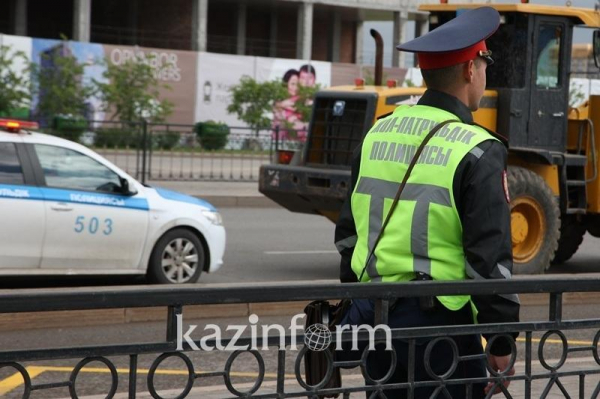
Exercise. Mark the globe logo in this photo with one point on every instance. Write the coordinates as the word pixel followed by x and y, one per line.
pixel 317 337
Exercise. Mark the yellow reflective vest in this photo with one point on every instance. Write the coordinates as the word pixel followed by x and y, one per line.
pixel 425 232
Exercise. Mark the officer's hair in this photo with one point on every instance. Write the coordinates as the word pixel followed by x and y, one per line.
pixel 443 78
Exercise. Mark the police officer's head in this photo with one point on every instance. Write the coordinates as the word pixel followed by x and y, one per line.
pixel 465 80
pixel 454 57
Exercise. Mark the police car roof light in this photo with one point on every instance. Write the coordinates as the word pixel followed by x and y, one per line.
pixel 14 126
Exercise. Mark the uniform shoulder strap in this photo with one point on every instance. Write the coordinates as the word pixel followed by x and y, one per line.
pixel 494 134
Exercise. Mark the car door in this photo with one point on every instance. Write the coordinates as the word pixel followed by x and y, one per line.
pixel 22 213
pixel 90 224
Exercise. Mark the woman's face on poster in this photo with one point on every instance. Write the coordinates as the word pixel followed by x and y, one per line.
pixel 293 85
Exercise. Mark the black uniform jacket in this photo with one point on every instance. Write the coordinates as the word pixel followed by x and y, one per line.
pixel 484 213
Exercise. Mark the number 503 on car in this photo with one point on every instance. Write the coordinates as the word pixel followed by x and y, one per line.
pixel 93 225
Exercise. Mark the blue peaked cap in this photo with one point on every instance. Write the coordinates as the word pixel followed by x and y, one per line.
pixel 467 29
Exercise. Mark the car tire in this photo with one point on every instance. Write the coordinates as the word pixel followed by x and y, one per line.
pixel 535 221
pixel 177 258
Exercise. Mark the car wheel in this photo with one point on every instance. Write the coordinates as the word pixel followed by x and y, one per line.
pixel 178 258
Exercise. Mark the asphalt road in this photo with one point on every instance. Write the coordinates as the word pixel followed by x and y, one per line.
pixel 273 244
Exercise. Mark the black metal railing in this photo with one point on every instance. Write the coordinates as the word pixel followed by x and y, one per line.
pixel 537 374
pixel 157 151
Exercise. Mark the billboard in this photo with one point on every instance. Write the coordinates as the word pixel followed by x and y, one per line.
pixel 177 69
pixel 217 73
pixel 199 83
pixel 19 65
pixel 173 68
pixel 44 53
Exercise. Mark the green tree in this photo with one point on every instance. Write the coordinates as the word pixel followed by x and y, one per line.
pixel 15 91
pixel 253 102
pixel 131 91
pixel 61 88
pixel 306 95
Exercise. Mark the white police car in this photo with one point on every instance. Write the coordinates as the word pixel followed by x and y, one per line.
pixel 66 210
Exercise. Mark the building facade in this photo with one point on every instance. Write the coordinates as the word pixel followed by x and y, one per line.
pixel 320 30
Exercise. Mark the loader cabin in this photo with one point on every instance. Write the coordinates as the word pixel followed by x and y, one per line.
pixel 532 54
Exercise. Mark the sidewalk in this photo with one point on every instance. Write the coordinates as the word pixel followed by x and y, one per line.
pixel 220 194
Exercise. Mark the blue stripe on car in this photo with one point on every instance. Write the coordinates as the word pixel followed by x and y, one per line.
pixel 175 196
pixel 78 197
pixel 20 192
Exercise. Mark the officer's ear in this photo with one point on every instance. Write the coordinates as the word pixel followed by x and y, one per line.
pixel 468 70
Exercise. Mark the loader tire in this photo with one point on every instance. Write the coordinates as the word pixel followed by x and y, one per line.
pixel 571 236
pixel 535 221
pixel 592 224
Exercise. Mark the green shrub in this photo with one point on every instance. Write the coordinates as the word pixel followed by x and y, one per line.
pixel 68 126
pixel 117 138
pixel 212 135
pixel 164 140
pixel 16 113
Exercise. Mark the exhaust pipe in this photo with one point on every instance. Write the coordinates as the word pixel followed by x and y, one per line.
pixel 378 57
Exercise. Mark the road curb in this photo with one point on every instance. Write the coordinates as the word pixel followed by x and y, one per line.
pixel 86 318
pixel 100 317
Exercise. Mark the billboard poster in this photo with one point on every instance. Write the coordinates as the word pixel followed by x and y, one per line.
pixel 19 65
pixel 173 68
pixel 44 53
pixel 216 74
pixel 177 69
pixel 293 74
pixel 199 83
pixel 309 72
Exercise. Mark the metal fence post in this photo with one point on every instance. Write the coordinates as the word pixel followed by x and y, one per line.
pixel 273 155
pixel 144 148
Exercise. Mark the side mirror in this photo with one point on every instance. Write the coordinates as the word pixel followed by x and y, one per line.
pixel 125 187
pixel 596 45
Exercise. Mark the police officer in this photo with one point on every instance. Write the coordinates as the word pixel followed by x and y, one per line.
pixel 453 219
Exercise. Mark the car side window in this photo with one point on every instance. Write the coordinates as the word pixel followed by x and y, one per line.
pixel 10 167
pixel 66 168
